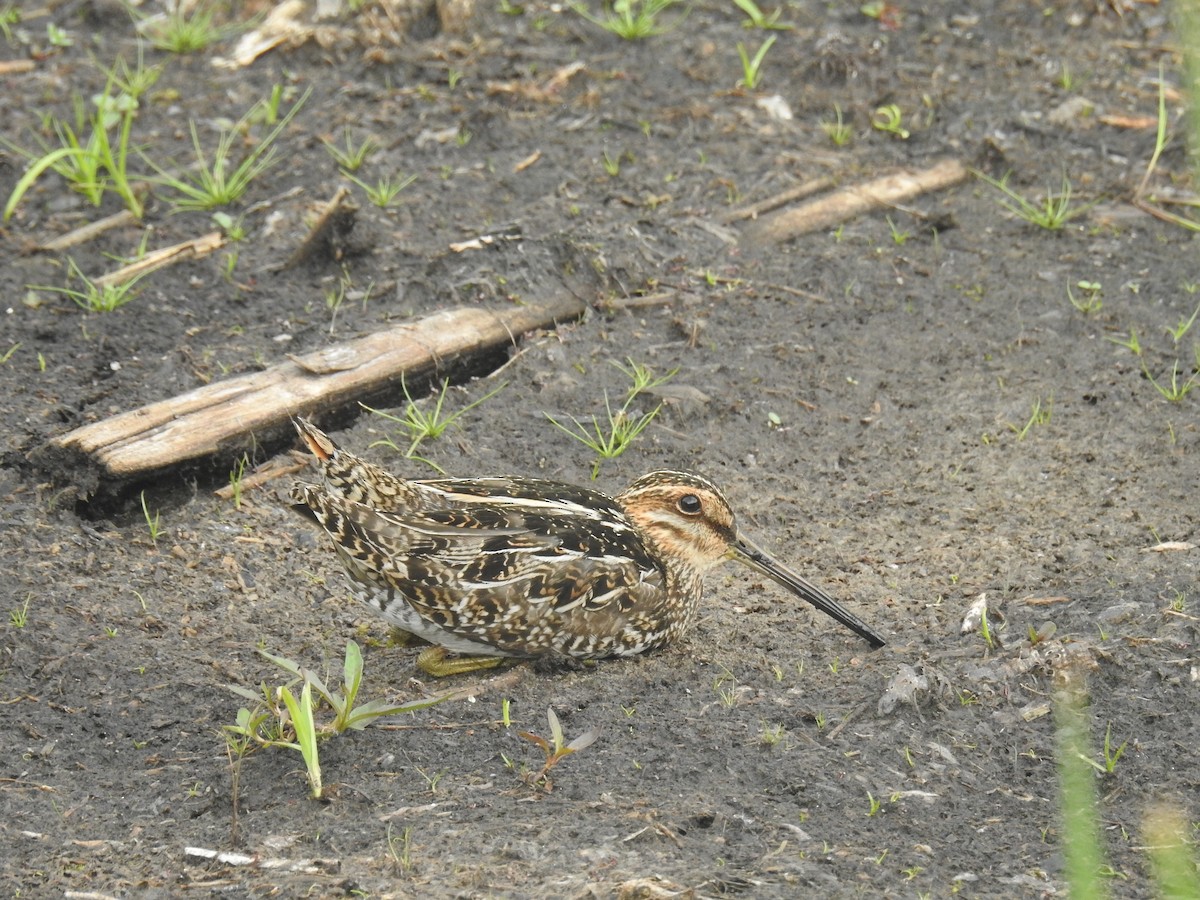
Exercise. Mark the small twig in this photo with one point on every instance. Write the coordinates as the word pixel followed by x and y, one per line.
pixel 852 201
pixel 270 470
pixel 807 295
pixel 662 298
pixel 799 192
pixel 304 866
pixel 319 236
pixel 850 717
pixel 167 256
pixel 88 232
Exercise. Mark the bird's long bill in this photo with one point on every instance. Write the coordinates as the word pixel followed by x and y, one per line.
pixel 747 552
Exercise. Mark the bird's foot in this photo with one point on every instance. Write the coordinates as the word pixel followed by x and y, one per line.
pixel 435 661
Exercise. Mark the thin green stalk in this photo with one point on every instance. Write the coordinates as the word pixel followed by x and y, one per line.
pixel 1082 853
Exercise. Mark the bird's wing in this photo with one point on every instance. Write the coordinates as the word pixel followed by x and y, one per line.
pixel 501 571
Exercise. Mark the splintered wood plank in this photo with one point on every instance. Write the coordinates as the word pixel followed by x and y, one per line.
pixel 223 416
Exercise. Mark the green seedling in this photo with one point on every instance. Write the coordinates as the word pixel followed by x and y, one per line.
pixel 1141 199
pixel 1171 861
pixel 506 712
pixel 873 805
pixel 890 119
pixel 9 16
pixel 1184 326
pixel 293 725
pixel 1039 415
pixel 1131 343
pixel 1066 78
pixel 401 855
pixel 899 237
pixel 555 749
pixel 758 19
pixel 1175 391
pixel 187 30
pixel 611 164
pixel 95 296
pixel 1112 757
pixel 1052 213
pixel 613 438
pixel 727 694
pixel 881 11
pixel 725 687
pixel 985 628
pixel 153 522
pixel 1044 632
pixel 771 735
pixel 610 440
pixel 234 229
pixel 19 617
pixel 631 20
pixel 351 156
pixel 347 716
pixel 431 780
pixel 838 131
pixel 1082 853
pixel 221 181
pixel 235 481
pixel 1089 300
pixel 58 37
pixel 752 65
pixel 136 81
pixel 419 425
pixel 266 111
pixel 335 297
pixel 8 353
pixel 305 729
pixel 91 165
pixel 385 189
pixel 642 378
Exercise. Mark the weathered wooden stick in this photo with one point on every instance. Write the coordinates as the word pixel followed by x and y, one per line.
pixel 321 230
pixel 167 256
pixel 851 201
pixel 222 416
pixel 799 192
pixel 85 233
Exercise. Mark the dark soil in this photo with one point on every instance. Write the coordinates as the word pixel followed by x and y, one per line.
pixel 861 396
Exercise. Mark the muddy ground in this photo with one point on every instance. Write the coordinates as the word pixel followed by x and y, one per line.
pixel 865 395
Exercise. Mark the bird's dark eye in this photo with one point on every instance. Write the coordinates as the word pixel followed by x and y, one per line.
pixel 689 504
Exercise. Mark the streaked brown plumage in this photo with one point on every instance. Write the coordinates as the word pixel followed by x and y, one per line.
pixel 516 567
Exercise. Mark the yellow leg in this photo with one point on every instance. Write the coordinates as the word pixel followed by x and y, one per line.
pixel 433 661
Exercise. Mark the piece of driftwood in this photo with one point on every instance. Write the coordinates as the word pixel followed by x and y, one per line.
pixel 848 202
pixel 167 256
pixel 225 416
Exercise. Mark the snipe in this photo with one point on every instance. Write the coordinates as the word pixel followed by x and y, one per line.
pixel 520 567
